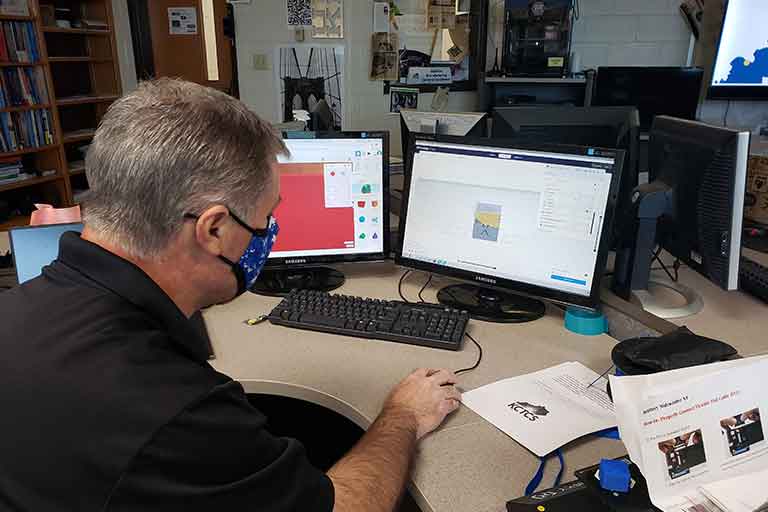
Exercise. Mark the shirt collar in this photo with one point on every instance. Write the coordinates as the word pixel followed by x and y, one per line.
pixel 131 283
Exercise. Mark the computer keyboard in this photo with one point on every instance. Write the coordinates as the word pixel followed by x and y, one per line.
pixel 753 278
pixel 429 325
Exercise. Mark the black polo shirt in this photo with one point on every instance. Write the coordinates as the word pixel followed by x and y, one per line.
pixel 108 403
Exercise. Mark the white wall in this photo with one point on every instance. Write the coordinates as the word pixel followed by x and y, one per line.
pixel 608 33
pixel 630 33
pixel 261 25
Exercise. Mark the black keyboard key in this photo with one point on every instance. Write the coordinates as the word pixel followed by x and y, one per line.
pixel 311 318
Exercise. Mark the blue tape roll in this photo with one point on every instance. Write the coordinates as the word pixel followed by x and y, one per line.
pixel 586 323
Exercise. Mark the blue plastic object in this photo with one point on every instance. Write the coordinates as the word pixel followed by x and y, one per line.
pixel 614 475
pixel 586 323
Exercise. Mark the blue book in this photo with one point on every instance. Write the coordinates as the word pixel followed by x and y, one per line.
pixel 4 121
pixel 29 74
pixel 32 38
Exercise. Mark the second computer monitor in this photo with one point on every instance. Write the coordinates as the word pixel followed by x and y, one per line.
pixel 671 91
pixel 35 247
pixel 605 127
pixel 459 124
pixel 334 209
pixel 511 220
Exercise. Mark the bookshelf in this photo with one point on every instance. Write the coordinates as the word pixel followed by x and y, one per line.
pixel 76 63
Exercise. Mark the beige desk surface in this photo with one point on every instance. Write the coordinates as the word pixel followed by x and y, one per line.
pixel 5 244
pixel 734 317
pixel 467 465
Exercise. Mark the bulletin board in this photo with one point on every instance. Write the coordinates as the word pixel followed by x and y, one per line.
pixel 422 44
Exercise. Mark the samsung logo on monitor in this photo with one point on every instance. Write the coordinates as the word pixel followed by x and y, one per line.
pixel 297 261
pixel 485 279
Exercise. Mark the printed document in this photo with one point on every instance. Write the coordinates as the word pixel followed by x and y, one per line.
pixel 692 431
pixel 546 410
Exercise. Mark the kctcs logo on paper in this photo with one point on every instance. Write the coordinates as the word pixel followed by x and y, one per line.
pixel 529 411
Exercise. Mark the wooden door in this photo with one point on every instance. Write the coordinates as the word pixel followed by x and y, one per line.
pixel 180 51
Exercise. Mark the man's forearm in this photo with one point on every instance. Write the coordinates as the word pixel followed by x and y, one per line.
pixel 371 477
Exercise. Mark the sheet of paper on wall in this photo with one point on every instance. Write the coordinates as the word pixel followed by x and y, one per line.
pixel 298 13
pixel 182 21
pixel 691 431
pixel 430 76
pixel 328 19
pixel 460 37
pixel 548 409
pixel 380 17
pixel 440 14
pixel 457 124
pixel 385 61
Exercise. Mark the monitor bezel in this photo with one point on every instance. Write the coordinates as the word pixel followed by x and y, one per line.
pixel 309 261
pixel 731 92
pixel 36 227
pixel 590 301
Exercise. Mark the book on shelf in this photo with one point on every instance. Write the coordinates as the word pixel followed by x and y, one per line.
pixel 14 7
pixel 22 87
pixel 94 24
pixel 19 42
pixel 25 130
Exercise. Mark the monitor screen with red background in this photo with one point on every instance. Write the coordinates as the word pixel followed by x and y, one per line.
pixel 332 193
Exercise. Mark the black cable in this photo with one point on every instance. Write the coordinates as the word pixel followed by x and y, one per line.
pixel 601 376
pixel 479 357
pixel 400 286
pixel 725 116
pixel 664 267
pixel 421 298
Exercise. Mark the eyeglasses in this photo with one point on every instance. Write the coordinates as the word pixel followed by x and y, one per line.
pixel 255 231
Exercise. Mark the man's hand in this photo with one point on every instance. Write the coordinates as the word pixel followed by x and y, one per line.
pixel 428 396
pixel 372 475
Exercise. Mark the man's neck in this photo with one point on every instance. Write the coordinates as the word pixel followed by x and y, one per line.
pixel 164 271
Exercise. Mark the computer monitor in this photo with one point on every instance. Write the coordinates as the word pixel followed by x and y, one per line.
pixel 34 247
pixel 334 209
pixel 520 223
pixel 693 208
pixel 603 127
pixel 458 124
pixel 741 65
pixel 655 91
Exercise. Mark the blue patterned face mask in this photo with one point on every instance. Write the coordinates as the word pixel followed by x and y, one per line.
pixel 250 264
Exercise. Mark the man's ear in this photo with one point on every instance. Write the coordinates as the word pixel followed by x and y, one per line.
pixel 210 228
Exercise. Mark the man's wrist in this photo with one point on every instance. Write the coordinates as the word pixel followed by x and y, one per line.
pixel 401 417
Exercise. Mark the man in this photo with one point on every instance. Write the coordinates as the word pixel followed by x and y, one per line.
pixel 108 401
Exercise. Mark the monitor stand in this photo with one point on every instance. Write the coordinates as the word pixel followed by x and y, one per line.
pixel 491 305
pixel 654 299
pixel 279 282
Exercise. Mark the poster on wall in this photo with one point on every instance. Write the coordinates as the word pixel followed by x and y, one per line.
pixel 441 14
pixel 403 98
pixel 328 19
pixel 384 56
pixel 298 13
pixel 182 21
pixel 308 74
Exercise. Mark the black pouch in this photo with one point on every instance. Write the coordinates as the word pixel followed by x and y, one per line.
pixel 679 349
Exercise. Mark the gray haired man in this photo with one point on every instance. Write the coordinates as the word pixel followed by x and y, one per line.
pixel 107 397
